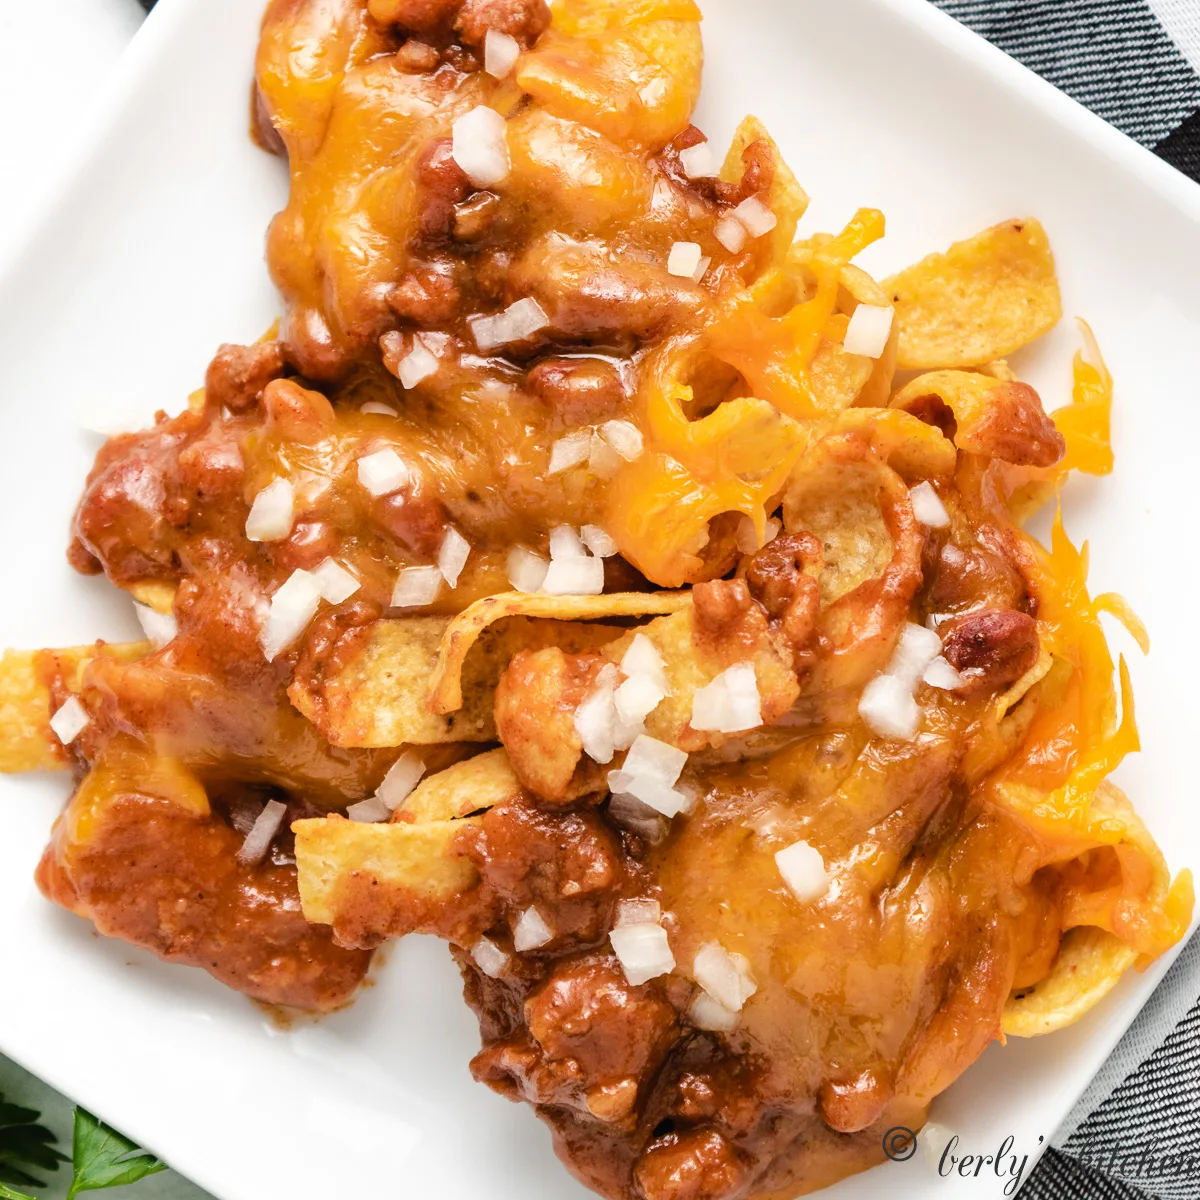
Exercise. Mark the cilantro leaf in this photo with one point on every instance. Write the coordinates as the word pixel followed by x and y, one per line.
pixel 25 1146
pixel 105 1158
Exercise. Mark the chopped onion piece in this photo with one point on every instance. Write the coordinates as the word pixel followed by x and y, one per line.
pixel 160 628
pixel 489 958
pixel 570 451
pixel 661 797
pixel 936 620
pixel 597 541
pixel 928 507
pixel 684 259
pixel 526 317
pixel 624 437
pixel 731 233
pixel 869 330
pixel 755 216
pixel 531 931
pixel 603 461
pixel 418 364
pixel 941 674
pixel 701 269
pixel 453 555
pixel 658 760
pixel 417 586
pixel 698 162
pixel 915 650
pixel 293 607
pixel 490 332
pixel 526 570
pixel 70 720
pixel 262 833
pixel 888 708
pixel 643 951
pixel 707 1012
pixel 725 977
pixel 378 409
pixel 336 583
pixel 397 785
pixel 630 813
pixel 500 54
pixel 383 472
pixel 479 145
pixel 637 698
pixel 803 870
pixel 730 703
pixel 638 912
pixel 370 811
pixel 574 577
pixel 643 658
pixel 272 514
pixel 565 543
pixel 595 718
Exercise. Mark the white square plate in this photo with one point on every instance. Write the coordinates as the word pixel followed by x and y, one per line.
pixel 153 256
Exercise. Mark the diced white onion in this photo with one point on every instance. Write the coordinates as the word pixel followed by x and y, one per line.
pixel 637 698
pixel 378 409
pixel 479 145
pixel 936 620
pixel 757 218
pixel 335 582
pixel 160 628
pixel 915 650
pixel 517 322
pixel 803 870
pixel 684 259
pixel 292 609
pixel 262 833
pixel 941 674
pixel 643 951
pixel 565 543
pixel 731 233
pixel 724 976
pixel 574 577
pixel 595 718
pixel 417 586
pixel 707 1012
pixel 869 330
pixel 730 703
pixel 531 931
pixel 70 720
pixel 570 451
pixel 500 54
pixel 489 958
pixel 272 514
pixel 370 811
pixel 701 269
pixel 453 555
pixel 624 437
pixel 526 570
pixel 928 507
pixel 698 162
pixel 654 759
pixel 643 658
pixel 383 472
pixel 888 708
pixel 638 912
pixel 630 813
pixel 603 461
pixel 417 365
pixel 597 541
pixel 402 776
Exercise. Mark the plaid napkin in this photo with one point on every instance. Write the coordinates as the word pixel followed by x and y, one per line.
pixel 1135 1134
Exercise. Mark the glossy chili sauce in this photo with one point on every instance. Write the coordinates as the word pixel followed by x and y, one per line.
pixel 872 1000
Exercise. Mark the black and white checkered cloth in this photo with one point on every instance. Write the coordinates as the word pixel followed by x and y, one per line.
pixel 1135 1134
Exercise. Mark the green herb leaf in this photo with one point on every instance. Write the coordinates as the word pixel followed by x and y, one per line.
pixel 25 1146
pixel 105 1158
pixel 9 1194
